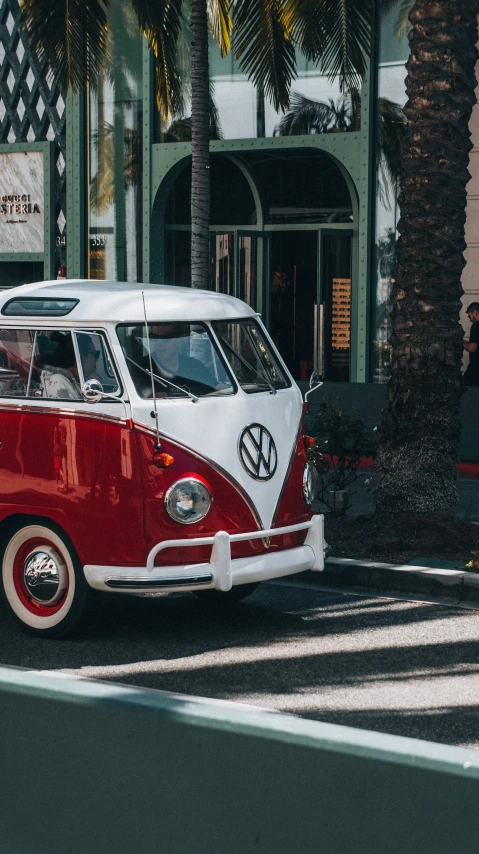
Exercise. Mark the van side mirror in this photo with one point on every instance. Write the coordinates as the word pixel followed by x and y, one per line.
pixel 314 383
pixel 92 391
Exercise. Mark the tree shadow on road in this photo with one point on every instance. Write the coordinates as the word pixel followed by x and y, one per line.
pixel 284 647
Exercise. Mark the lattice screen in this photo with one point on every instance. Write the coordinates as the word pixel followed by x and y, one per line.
pixel 31 106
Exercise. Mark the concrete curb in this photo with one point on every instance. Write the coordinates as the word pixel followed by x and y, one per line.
pixel 443 586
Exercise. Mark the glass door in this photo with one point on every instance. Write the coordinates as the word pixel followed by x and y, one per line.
pixel 335 314
pixel 222 261
pixel 293 284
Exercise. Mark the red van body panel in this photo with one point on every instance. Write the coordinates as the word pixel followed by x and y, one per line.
pixel 79 471
pixel 230 510
pixel 96 480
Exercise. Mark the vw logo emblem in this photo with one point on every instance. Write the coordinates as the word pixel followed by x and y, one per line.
pixel 257 452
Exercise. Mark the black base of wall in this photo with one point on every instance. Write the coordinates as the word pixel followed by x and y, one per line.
pixel 369 399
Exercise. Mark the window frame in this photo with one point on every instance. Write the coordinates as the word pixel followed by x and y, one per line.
pixel 253 320
pixel 206 324
pixel 74 331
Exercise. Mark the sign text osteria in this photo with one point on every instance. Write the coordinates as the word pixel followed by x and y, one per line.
pixel 22 202
pixel 19 205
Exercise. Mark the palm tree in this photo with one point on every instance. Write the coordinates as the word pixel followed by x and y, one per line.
pixel 72 37
pixel 306 116
pixel 420 427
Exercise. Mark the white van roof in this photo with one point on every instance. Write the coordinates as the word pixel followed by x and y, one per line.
pixel 117 302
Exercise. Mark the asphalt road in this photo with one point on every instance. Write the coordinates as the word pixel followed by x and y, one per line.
pixel 399 667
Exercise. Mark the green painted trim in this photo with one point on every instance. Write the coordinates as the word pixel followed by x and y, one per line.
pixel 77 187
pixel 148 112
pixel 47 257
pixel 344 147
pixel 361 249
pixel 256 229
pixel 22 256
pixel 7 147
pixel 49 269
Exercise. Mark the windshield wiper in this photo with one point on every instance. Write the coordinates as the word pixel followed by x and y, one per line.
pixel 249 367
pixel 161 380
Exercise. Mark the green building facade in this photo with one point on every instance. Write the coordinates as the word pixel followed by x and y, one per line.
pixel 302 220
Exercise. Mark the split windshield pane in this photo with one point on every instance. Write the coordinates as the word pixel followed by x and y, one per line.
pixel 250 356
pixel 184 360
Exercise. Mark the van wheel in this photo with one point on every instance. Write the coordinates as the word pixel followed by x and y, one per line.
pixel 42 580
pixel 230 597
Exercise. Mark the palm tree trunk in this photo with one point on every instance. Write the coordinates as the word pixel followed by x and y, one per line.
pixel 200 179
pixel 420 428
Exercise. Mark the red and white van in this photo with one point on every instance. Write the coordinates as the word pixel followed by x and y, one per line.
pixel 151 439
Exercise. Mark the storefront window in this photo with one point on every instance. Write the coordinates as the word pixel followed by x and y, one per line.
pixel 240 111
pixel 393 54
pixel 115 155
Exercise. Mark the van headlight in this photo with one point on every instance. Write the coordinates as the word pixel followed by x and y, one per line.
pixel 187 501
pixel 310 483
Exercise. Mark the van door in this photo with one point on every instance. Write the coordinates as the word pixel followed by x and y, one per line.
pixel 61 458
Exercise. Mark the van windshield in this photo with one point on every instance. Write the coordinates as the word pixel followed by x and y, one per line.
pixel 250 356
pixel 184 360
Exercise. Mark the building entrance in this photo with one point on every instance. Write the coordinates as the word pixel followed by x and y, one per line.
pixel 293 293
pixel 334 316
pixel 310 317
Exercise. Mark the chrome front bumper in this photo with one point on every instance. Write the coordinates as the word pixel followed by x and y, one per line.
pixel 221 572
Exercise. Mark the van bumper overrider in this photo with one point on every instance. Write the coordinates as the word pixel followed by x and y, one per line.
pixel 222 572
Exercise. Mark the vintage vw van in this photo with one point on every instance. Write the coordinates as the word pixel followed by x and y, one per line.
pixel 151 439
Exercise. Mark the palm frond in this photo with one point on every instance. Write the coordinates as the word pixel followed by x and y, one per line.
pixel 306 116
pixel 160 21
pixel 338 35
pixel 264 48
pixel 70 36
pixel 220 23
pixel 402 7
pixel 180 129
pixel 391 132
pixel 102 188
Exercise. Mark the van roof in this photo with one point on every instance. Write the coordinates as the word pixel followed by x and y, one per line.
pixel 117 302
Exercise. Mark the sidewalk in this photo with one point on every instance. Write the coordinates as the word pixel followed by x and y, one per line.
pixel 425 579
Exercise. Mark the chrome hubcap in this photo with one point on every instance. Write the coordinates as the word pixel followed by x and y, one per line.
pixel 44 576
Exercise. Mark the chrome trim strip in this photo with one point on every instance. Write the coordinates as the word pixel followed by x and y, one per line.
pixel 217 468
pixel 171 581
pixel 62 413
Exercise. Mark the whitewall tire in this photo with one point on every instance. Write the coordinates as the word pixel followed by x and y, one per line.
pixel 42 580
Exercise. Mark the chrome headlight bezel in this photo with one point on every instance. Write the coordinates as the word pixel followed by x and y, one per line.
pixel 195 485
pixel 310 482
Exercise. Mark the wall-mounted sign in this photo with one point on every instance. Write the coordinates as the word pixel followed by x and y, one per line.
pixel 22 191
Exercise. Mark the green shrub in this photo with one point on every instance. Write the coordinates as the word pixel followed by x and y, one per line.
pixel 342 439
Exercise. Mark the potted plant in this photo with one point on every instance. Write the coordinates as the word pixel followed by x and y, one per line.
pixel 342 441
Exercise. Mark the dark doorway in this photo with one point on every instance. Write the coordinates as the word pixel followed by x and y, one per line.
pixel 13 273
pixel 336 299
pixel 294 280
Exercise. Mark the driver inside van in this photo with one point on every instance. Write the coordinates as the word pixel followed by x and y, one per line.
pixel 169 345
pixel 59 378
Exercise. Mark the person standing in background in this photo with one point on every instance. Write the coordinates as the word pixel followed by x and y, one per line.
pixel 471 375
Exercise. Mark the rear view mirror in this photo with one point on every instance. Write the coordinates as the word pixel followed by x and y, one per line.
pixel 92 391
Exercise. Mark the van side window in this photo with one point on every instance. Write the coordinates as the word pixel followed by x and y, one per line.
pixel 43 363
pixel 96 362
pixel 55 360
pixel 16 349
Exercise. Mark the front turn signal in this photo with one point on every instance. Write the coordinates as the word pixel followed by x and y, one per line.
pixel 163 461
pixel 310 441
